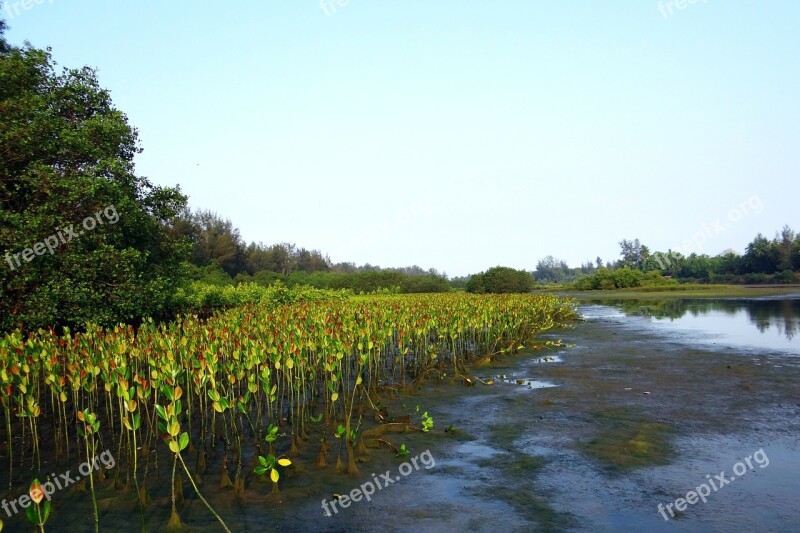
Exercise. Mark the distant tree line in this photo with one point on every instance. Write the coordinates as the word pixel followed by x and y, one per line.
pixel 764 260
pixel 775 260
pixel 219 256
pixel 551 270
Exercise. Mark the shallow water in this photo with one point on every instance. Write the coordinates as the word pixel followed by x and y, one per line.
pixel 766 324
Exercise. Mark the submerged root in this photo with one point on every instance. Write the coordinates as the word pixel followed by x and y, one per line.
pixel 322 458
pixel 383 429
pixel 175 523
pixel 202 463
pixel 144 496
pixel 238 488
pixel 224 478
pixel 178 488
pixel 361 450
pixel 484 361
pixel 352 469
pixel 377 443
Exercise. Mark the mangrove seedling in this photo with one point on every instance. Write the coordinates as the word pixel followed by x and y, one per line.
pixel 402 451
pixel 40 510
pixel 427 422
pixel 87 430
pixel 270 464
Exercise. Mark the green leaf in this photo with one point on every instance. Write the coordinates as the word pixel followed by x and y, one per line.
pixel 33 516
pixel 183 440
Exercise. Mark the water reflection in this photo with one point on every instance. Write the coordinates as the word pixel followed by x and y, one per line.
pixel 771 317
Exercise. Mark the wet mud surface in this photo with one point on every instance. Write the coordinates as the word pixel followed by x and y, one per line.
pixel 639 416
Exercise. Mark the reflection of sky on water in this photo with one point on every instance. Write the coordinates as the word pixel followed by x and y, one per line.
pixel 772 324
pixel 737 329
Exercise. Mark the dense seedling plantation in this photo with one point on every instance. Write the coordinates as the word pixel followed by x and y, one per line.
pixel 241 381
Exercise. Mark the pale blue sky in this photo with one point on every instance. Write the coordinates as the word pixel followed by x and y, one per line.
pixel 456 135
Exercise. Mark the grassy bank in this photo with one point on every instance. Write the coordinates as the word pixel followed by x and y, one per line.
pixel 689 290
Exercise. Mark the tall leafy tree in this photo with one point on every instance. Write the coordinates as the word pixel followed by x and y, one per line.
pixel 634 253
pixel 218 241
pixel 282 258
pixel 761 257
pixel 66 158
pixel 796 253
pixel 3 43
pixel 552 269
pixel 785 244
pixel 312 261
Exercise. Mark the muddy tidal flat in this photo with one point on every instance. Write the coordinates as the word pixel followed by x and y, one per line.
pixel 644 406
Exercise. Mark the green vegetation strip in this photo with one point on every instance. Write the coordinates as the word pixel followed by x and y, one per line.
pixel 246 380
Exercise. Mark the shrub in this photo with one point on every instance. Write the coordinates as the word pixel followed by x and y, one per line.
pixel 499 280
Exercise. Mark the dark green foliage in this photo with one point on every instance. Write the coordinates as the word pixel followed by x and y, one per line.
pixel 764 261
pixel 621 278
pixel 634 254
pixel 368 281
pixel 3 44
pixel 67 156
pixel 211 274
pixel 358 282
pixel 203 299
pixel 499 280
